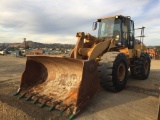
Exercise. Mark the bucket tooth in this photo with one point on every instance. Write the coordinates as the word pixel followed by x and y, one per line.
pixel 51 108
pixel 28 98
pixel 30 95
pixel 15 94
pixel 71 117
pixel 42 105
pixel 35 101
pixel 21 96
pixel 62 111
pixel 54 106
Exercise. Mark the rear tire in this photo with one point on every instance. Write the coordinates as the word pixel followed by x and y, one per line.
pixel 113 71
pixel 141 67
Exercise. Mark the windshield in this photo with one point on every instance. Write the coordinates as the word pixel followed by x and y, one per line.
pixel 109 28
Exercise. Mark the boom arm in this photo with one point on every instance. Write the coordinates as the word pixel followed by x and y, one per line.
pixel 90 47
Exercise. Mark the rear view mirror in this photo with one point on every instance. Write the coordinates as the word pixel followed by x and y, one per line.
pixel 94 26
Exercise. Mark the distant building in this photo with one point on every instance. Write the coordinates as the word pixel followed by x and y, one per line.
pixel 35 52
pixel 16 53
pixel 52 52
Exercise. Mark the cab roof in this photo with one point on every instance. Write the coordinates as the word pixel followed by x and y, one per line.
pixel 99 19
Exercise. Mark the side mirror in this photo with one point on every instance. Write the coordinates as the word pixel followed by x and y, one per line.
pixel 94 26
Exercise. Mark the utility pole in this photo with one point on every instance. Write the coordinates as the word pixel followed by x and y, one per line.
pixel 25 44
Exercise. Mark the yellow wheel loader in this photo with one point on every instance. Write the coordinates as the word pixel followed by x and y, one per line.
pixel 69 84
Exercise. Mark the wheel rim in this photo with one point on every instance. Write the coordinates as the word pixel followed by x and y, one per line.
pixel 121 72
pixel 146 66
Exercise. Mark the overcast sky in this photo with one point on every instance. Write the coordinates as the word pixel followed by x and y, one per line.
pixel 58 21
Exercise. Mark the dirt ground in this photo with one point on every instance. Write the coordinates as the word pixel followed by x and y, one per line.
pixel 124 105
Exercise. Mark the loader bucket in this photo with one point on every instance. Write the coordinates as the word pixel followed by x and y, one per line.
pixel 65 84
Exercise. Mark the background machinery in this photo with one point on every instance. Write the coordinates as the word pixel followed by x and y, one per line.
pixel 153 53
pixel 69 84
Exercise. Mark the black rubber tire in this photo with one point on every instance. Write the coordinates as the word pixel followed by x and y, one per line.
pixel 108 71
pixel 139 70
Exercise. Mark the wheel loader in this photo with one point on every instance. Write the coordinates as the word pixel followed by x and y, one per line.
pixel 70 83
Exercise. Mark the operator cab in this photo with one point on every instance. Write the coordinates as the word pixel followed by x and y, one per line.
pixel 119 27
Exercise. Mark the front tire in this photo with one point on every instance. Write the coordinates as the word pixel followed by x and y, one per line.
pixel 113 71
